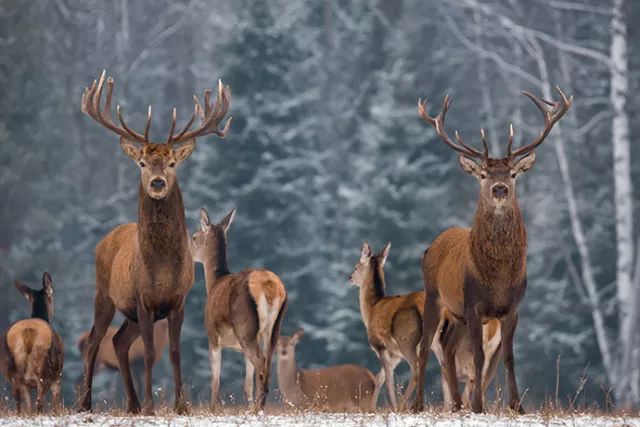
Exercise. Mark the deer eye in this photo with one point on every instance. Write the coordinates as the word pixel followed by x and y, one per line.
pixel 142 164
pixel 172 164
pixel 483 175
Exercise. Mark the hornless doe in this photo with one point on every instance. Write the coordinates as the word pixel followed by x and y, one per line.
pixel 32 352
pixel 107 359
pixel 335 388
pixel 244 310
pixel 394 329
pixel 145 269
pixel 479 274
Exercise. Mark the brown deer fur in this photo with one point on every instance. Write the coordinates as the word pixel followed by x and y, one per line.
pixel 244 310
pixel 479 274
pixel 145 269
pixel 394 328
pixel 336 388
pixel 32 352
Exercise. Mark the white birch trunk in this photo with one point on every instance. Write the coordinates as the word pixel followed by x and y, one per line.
pixel 622 194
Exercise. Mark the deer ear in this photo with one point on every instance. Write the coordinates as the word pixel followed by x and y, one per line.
pixel 184 150
pixel 384 254
pixel 365 252
pixel 131 148
pixel 24 290
pixel 205 222
pixel 227 220
pixel 524 164
pixel 470 166
pixel 47 283
pixel 297 335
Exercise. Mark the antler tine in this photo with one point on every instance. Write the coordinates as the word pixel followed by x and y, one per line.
pixel 483 137
pixel 510 143
pixel 210 116
pixel 438 123
pixel 148 125
pixel 464 144
pixel 551 117
pixel 180 134
pixel 174 115
pixel 130 132
pixel 91 106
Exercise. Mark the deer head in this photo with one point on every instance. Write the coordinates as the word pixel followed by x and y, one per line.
pixel 41 300
pixel 212 238
pixel 157 162
pixel 367 263
pixel 287 345
pixel 497 176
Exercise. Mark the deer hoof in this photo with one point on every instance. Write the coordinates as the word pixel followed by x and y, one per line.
pixel 417 406
pixel 182 408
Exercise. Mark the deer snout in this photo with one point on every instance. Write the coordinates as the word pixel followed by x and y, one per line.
pixel 158 184
pixel 500 191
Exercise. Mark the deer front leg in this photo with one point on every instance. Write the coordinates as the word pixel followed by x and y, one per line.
pixel 474 327
pixel 430 322
pixel 122 341
pixel 145 322
pixel 175 326
pixel 508 324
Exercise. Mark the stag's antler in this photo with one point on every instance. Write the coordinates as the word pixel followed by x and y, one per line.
pixel 438 123
pixel 211 116
pixel 551 117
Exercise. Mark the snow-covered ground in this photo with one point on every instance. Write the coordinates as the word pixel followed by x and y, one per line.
pixel 325 419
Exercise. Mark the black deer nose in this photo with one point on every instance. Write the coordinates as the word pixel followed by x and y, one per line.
pixel 500 191
pixel 158 184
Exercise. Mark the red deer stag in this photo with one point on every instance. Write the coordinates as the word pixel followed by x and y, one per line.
pixel 394 329
pixel 244 310
pixel 145 269
pixel 479 274
pixel 338 388
pixel 32 352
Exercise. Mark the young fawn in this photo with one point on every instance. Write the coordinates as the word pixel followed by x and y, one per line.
pixel 335 388
pixel 244 310
pixel 394 328
pixel 32 352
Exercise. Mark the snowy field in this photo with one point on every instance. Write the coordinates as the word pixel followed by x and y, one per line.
pixel 326 419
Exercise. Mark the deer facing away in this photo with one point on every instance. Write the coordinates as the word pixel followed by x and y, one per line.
pixel 244 310
pixel 336 388
pixel 32 352
pixel 145 269
pixel 479 274
pixel 394 329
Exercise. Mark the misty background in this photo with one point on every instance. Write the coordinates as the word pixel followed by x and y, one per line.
pixel 327 150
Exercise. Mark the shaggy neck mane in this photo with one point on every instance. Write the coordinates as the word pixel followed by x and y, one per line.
pixel 215 262
pixel 162 229
pixel 498 243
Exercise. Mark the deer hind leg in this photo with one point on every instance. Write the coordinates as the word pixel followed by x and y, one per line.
pixel 430 321
pixel 41 391
pixel 274 336
pixel 175 326
pixel 215 360
pixel 25 399
pixel 248 380
pixel 56 399
pixel 252 351
pixel 388 365
pixel 450 337
pixel 376 391
pixel 104 310
pixel 407 332
pixel 122 341
pixel 145 322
